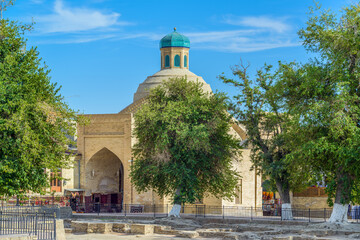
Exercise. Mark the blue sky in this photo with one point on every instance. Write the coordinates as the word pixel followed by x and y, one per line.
pixel 101 50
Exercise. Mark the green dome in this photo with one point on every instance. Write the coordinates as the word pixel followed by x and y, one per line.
pixel 175 39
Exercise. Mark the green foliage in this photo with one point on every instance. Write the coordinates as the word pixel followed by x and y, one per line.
pixel 34 120
pixel 4 4
pixel 324 95
pixel 260 108
pixel 184 144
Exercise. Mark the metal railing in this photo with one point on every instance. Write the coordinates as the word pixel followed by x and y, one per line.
pixel 29 220
pixel 210 211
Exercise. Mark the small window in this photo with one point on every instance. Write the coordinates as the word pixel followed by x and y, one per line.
pixel 167 61
pixel 177 61
pixel 185 61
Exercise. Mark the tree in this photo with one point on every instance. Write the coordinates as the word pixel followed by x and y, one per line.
pixel 259 107
pixel 4 4
pixel 184 147
pixel 34 120
pixel 325 94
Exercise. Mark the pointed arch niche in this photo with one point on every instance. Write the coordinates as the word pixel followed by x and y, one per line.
pixel 104 173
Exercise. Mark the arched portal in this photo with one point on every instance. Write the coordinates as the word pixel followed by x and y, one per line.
pixel 105 177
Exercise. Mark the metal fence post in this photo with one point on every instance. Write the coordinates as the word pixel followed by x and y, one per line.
pixel 309 215
pixel 54 225
pixel 204 210
pixel 251 218
pixel 223 212
pixel 324 214
pixel 196 210
pixel 36 223
pixel 125 210
pixel 154 210
pixel 167 210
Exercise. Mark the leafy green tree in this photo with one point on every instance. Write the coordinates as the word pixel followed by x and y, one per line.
pixel 259 107
pixel 34 120
pixel 4 4
pixel 324 93
pixel 184 147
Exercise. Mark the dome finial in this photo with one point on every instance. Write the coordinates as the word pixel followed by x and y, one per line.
pixel 174 29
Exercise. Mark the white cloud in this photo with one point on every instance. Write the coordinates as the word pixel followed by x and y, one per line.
pixel 248 40
pixel 68 25
pixel 76 39
pixel 275 24
pixel 69 20
pixel 254 33
pixel 242 40
pixel 222 41
pixel 220 36
pixel 248 46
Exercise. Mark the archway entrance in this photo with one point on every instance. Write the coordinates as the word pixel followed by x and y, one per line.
pixel 105 180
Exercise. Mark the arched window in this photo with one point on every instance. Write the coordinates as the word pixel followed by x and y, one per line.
pixel 185 61
pixel 177 61
pixel 167 61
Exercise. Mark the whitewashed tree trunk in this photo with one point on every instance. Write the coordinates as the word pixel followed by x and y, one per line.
pixel 342 195
pixel 339 213
pixel 284 191
pixel 286 211
pixel 175 211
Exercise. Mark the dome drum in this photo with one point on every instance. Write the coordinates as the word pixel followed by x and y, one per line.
pixel 174 57
pixel 174 49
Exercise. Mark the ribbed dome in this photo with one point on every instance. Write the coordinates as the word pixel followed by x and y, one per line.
pixel 175 39
pixel 164 75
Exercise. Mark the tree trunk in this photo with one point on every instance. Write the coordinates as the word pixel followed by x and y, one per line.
pixel 175 211
pixel 286 210
pixel 339 213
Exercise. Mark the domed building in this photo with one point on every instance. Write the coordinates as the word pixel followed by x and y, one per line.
pixel 105 144
pixel 174 49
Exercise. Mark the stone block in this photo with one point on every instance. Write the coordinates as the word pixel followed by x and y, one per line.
pixel 79 227
pixel 142 229
pixel 121 228
pixel 188 234
pixel 99 228
pixel 163 229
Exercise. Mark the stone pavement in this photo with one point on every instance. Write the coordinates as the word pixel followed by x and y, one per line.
pixel 173 228
pixel 116 236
